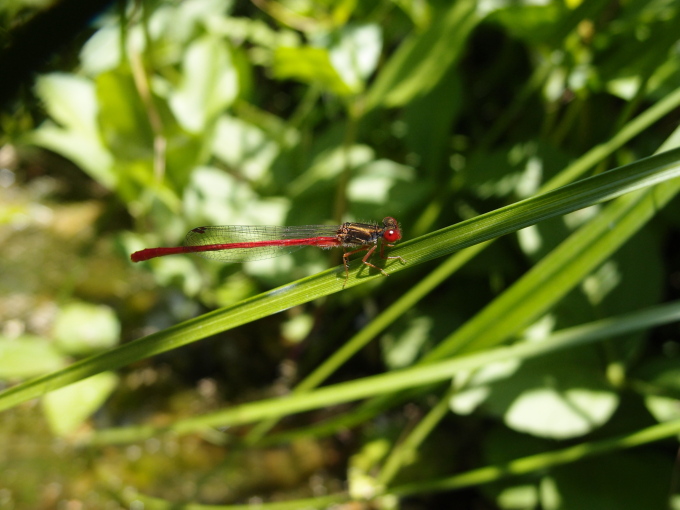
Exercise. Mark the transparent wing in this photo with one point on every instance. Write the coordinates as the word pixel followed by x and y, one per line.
pixel 238 243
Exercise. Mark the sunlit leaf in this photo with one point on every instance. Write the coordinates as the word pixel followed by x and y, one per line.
pixel 28 356
pixel 101 52
pixel 68 407
pixel 403 349
pixel 555 397
pixel 84 328
pixel 309 65
pixel 82 148
pixel 244 147
pixel 70 100
pixel 209 84
pixel 356 54
pixel 215 197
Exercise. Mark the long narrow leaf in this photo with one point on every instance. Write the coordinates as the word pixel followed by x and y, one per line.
pixel 593 190
pixel 542 461
pixel 402 379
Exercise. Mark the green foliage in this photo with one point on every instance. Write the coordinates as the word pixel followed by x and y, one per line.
pixel 67 408
pixel 532 355
pixel 82 328
pixel 27 356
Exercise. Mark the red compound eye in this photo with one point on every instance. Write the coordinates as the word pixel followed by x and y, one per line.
pixel 391 235
pixel 392 232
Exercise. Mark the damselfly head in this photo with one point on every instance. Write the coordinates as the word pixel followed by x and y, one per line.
pixel 392 231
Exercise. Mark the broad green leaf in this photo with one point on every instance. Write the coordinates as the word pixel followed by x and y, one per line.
pixel 625 59
pixel 244 147
pixel 309 65
pixel 663 408
pixel 124 119
pixel 356 54
pixel 662 375
pixel 72 102
pixel 424 58
pixel 66 408
pixel 101 52
pixel 179 272
pixel 28 356
pixel 502 445
pixel 559 396
pixel 608 185
pixel 404 349
pixel 374 181
pixel 408 378
pixel 628 280
pixel 84 328
pixel 659 382
pixel 256 31
pixel 208 86
pixel 519 496
pixel 418 11
pixel 215 197
pixel 84 149
pixel 187 18
pixel 549 23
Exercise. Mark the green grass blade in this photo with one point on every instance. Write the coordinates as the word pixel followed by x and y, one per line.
pixel 627 133
pixel 541 461
pixel 549 280
pixel 402 379
pixel 593 190
pixel 452 264
pixel 422 60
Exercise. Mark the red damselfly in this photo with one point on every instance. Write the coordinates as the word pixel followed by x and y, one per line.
pixel 237 243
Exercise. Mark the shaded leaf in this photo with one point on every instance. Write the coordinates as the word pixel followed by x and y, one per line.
pixel 624 480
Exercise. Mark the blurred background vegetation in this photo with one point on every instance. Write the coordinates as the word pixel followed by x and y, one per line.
pixel 136 121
